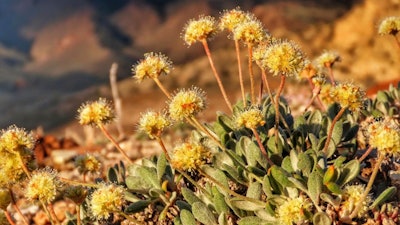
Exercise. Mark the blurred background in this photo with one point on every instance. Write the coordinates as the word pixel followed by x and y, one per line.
pixel 56 54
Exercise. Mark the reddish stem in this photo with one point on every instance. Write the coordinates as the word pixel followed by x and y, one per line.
pixel 240 73
pixel 329 137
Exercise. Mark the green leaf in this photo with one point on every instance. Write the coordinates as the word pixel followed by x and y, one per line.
pixel 137 206
pixel 245 205
pixel 298 184
pixel 349 171
pixel 112 175
pixel 314 184
pixel 287 164
pixel 251 220
pixel 161 165
pixel 305 163
pixel 219 201
pixel 385 195
pixel 187 218
pixel 266 186
pixel 281 176
pixel 189 196
pixel 218 175
pixel 136 183
pixel 203 214
pixel 254 190
pixel 321 218
pixel 334 188
pixel 253 153
pixel 149 174
pixel 329 199
pixel 183 205
pixel 314 141
pixel 337 132
pixel 351 133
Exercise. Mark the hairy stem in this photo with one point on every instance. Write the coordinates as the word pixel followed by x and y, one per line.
pixel 162 87
pixel 329 137
pixel 263 151
pixel 240 73
pixel 265 80
pixel 9 218
pixel 277 113
pixel 330 72
pixel 366 153
pixel 217 77
pixel 397 40
pixel 115 143
pixel 251 73
pixel 14 205
pixel 161 143
pixel 369 186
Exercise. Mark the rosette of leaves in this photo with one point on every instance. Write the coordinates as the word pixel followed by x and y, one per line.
pixel 386 103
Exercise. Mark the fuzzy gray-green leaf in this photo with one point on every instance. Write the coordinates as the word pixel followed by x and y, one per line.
pixel 189 196
pixel 314 184
pixel 254 190
pixel 203 214
pixel 219 201
pixel 149 174
pixel 321 218
pixel 385 195
pixel 161 165
pixel 349 171
pixel 187 218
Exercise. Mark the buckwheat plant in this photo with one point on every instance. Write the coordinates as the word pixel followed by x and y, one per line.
pixel 261 162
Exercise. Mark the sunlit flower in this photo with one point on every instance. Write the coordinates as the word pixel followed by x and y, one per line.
pixel 96 113
pixel 153 65
pixel 284 58
pixel 250 118
pixel 11 170
pixel 348 96
pixel 390 25
pixel 325 94
pixel 352 195
pixel 186 103
pixel 189 156
pixel 87 164
pixel 385 137
pixel 327 59
pixel 293 211
pixel 43 185
pixel 198 30
pixel 107 199
pixel 15 139
pixel 230 19
pixel 250 32
pixel 153 123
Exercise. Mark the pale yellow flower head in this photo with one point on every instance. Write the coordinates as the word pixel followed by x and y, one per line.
pixel 250 32
pixel 186 103
pixel 43 185
pixel 11 170
pixel 348 96
pixel 390 25
pixel 385 137
pixel 15 139
pixel 153 65
pixel 284 58
pixel 87 164
pixel 230 19
pixel 153 123
pixel 189 156
pixel 107 199
pixel 250 118
pixel 96 113
pixel 325 94
pixel 327 59
pixel 293 210
pixel 198 30
pixel 351 197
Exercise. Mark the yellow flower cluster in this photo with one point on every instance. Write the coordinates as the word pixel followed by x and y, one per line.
pixel 250 32
pixel 351 197
pixel 385 136
pixel 15 139
pixel 189 156
pixel 327 59
pixel 186 103
pixel 250 118
pixel 390 25
pixel 105 200
pixel 96 113
pixel 293 211
pixel 153 65
pixel 230 19
pixel 43 185
pixel 198 30
pixel 153 123
pixel 87 164
pixel 348 96
pixel 283 58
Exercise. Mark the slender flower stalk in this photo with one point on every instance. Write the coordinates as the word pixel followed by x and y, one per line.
pixel 17 209
pixel 199 31
pixel 239 62
pixel 217 77
pixel 9 217
pixel 366 153
pixel 115 143
pixel 330 131
pixel 327 60
pixel 277 112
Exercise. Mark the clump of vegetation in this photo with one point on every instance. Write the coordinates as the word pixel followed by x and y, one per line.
pixel 255 164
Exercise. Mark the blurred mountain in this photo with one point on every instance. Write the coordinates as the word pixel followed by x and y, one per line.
pixel 56 54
